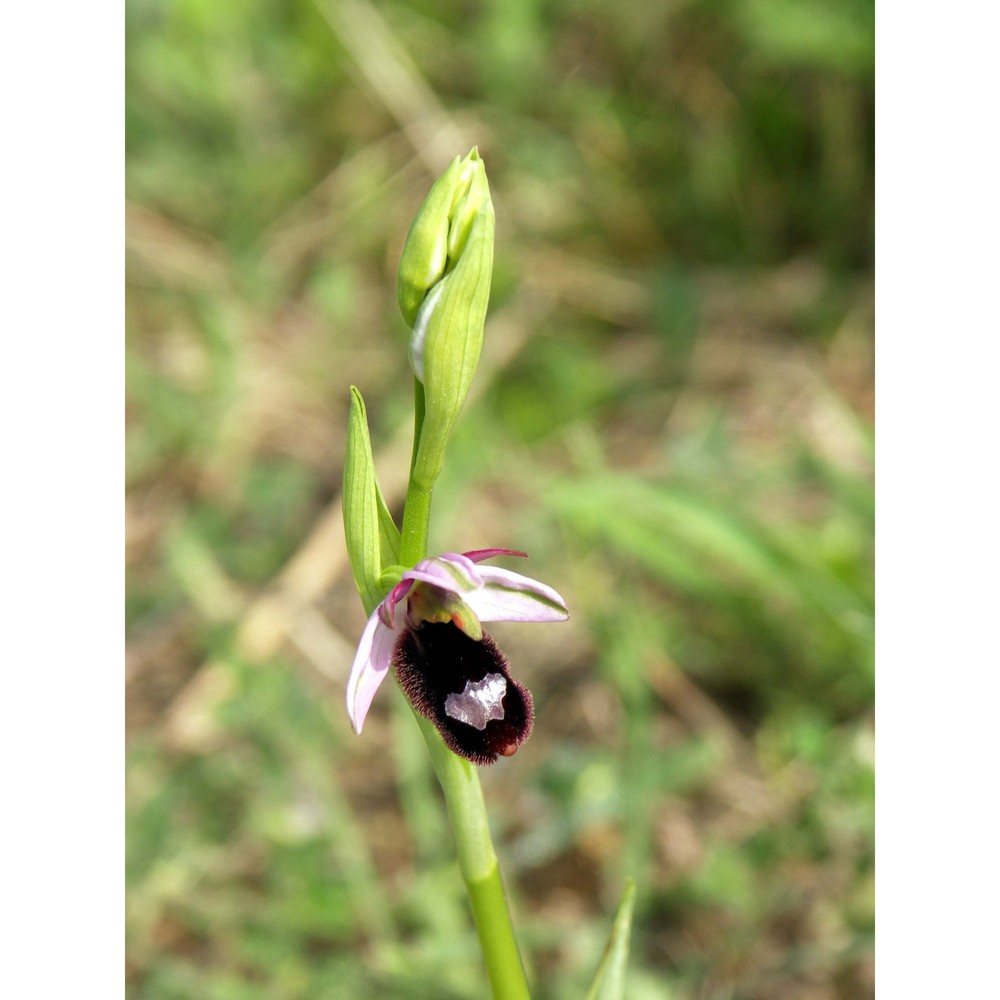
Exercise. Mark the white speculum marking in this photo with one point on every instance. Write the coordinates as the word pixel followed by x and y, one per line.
pixel 480 702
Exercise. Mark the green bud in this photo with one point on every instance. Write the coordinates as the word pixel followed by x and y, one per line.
pixel 425 252
pixel 440 231
pixel 447 341
pixel 369 530
pixel 447 267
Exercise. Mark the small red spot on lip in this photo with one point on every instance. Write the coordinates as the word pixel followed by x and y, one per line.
pixel 509 750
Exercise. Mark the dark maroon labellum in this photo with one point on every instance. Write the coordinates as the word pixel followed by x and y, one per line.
pixel 465 688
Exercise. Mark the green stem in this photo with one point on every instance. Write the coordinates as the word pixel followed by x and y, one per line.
pixel 413 535
pixel 463 794
pixel 417 512
pixel 478 864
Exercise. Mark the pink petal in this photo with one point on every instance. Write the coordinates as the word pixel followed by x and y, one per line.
pixel 478 555
pixel 387 609
pixel 511 597
pixel 371 664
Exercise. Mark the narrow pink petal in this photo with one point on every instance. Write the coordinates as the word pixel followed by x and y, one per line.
pixel 478 555
pixel 451 571
pixel 371 664
pixel 511 597
pixel 387 609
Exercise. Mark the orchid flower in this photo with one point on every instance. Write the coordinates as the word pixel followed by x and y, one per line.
pixel 450 669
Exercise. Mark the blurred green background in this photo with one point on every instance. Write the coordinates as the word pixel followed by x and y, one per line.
pixel 673 416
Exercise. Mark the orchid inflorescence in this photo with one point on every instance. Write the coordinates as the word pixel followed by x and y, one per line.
pixel 426 614
pixel 451 670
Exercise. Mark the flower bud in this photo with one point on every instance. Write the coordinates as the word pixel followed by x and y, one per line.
pixel 440 230
pixel 444 289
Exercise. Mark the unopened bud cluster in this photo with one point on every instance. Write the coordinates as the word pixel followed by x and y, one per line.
pixel 444 289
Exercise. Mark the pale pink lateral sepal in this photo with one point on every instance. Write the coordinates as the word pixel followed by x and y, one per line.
pixel 506 596
pixel 371 664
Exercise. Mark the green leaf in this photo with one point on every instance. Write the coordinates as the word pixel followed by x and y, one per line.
pixel 388 533
pixel 369 530
pixel 609 980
